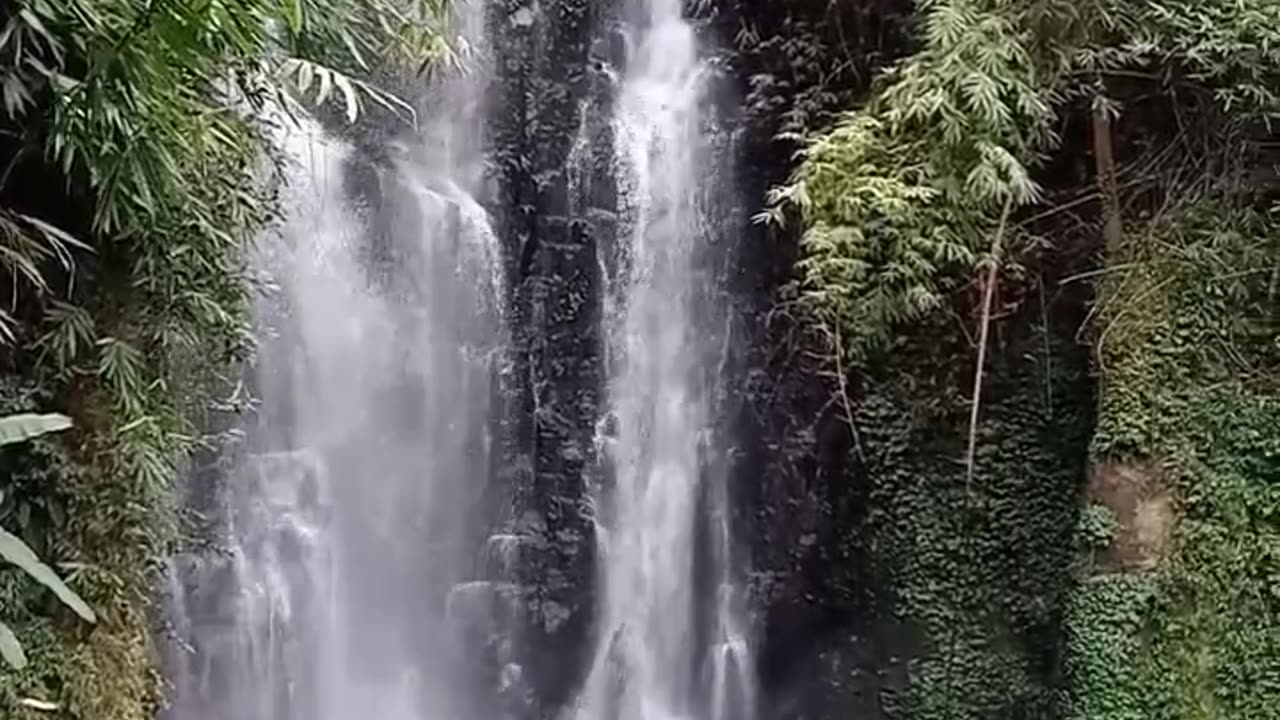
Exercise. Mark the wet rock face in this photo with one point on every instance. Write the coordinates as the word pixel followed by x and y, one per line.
pixel 551 382
pixel 831 636
pixel 824 647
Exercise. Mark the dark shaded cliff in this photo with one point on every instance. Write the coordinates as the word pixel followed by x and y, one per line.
pixel 551 382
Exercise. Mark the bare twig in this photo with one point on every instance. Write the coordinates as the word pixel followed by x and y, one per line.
pixel 844 399
pixel 993 269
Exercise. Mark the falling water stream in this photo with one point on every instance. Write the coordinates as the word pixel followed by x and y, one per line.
pixel 353 508
pixel 653 660
pixel 355 511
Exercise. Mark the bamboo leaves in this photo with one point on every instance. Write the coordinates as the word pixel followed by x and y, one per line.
pixel 27 245
pixel 909 186
pixel 955 130
pixel 301 75
pixel 293 15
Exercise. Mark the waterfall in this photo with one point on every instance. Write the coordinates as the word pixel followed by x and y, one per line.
pixel 672 639
pixel 367 567
pixel 354 510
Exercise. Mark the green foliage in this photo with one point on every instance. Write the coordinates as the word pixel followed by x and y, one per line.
pixel 902 195
pixel 17 552
pixel 141 101
pixel 1191 381
pixel 27 244
pixel 1107 615
pixel 980 573
pixel 899 201
pixel 15 429
pixel 1097 527
pixel 900 198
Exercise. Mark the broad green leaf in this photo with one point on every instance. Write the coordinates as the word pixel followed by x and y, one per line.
pixel 11 649
pixel 15 551
pixel 17 428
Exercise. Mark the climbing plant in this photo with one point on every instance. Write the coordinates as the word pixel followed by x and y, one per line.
pixel 1178 619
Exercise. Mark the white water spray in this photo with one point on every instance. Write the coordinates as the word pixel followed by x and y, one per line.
pixel 671 644
pixel 352 515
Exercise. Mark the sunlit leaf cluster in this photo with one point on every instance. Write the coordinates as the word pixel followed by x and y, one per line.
pixel 900 197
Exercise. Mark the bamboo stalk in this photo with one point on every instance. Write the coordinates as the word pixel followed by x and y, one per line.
pixel 993 269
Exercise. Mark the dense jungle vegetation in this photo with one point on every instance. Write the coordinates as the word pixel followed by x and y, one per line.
pixel 1031 177
pixel 1040 251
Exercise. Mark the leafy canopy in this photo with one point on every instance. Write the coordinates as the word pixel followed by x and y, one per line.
pixel 901 196
pixel 142 102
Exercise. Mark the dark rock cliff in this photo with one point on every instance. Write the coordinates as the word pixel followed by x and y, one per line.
pixel 552 379
pixel 556 210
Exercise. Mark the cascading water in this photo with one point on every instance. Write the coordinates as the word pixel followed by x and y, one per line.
pixel 671 632
pixel 352 515
pixel 359 579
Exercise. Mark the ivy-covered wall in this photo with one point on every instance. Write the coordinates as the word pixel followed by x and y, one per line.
pixel 1108 559
pixel 1177 610
pixel 945 598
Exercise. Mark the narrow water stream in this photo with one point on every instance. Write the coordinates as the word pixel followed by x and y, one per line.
pixel 653 660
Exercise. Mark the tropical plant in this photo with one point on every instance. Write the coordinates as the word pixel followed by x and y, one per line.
pixel 140 102
pixel 900 198
pixel 961 178
pixel 16 429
